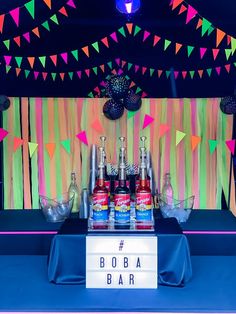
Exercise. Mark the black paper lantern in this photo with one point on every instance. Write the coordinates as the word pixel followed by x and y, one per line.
pixel 113 109
pixel 117 87
pixel 228 104
pixel 132 102
pixel 4 102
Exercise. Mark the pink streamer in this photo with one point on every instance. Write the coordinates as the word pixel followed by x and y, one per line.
pixel 181 168
pixel 195 170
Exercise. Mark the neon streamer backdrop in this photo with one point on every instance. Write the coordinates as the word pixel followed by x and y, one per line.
pixel 52 120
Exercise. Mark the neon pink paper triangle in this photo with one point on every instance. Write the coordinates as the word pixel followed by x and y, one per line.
pixel 7 59
pixel 15 15
pixel 64 56
pixel 117 61
pixel 71 3
pixel 202 52
pixel 146 35
pixel 231 145
pixel 82 137
pixel 215 52
pixel 176 74
pixel 36 74
pixel 79 74
pixel 120 71
pixel 114 37
pixel 190 13
pixel 3 134
pixel 147 120
pixel 218 69
pixel 136 68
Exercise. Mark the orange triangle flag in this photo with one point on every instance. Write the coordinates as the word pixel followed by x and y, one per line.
pixel 195 140
pixel 219 36
pixel 36 31
pixel 31 61
pixel 50 147
pixel 176 3
pixel 48 3
pixel 182 9
pixel 18 71
pixel 129 27
pixel 163 129
pixel 199 24
pixel 177 47
pixel 200 72
pixel 17 143
pixel 85 50
pixel 2 16
pixel 102 67
pixel 97 126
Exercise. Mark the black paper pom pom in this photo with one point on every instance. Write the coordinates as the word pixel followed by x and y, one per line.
pixel 228 104
pixel 113 109
pixel 117 87
pixel 132 102
pixel 4 102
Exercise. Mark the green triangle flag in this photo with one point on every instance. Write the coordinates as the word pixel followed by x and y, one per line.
pixel 43 60
pixel 7 43
pixel 130 114
pixel 209 71
pixel 30 7
pixel 191 74
pixel 109 64
pixel 212 145
pixel 210 30
pixel 95 46
pixel 167 74
pixel 54 19
pixel 71 75
pixel 167 44
pixel 32 148
pixel 190 50
pixel 18 61
pixel 46 25
pixel 27 72
pixel 129 65
pixel 90 94
pixel 235 64
pixel 95 70
pixel 53 76
pixel 137 29
pixel 205 26
pixel 151 72
pixel 75 54
pixel 233 44
pixel 66 145
pixel 138 90
pixel 179 136
pixel 228 53
pixel 122 31
pixel 8 68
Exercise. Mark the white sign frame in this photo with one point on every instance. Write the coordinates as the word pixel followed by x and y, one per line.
pixel 128 262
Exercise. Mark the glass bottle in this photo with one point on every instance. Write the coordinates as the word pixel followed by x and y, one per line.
pixel 122 193
pixel 143 195
pixel 137 179
pixel 100 194
pixel 73 190
pixel 116 183
pixel 106 176
pixel 167 190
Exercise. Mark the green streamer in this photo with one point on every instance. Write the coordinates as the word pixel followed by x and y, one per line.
pixel 34 158
pixel 84 148
pixel 7 166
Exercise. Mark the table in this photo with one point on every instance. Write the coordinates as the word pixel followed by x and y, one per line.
pixel 67 259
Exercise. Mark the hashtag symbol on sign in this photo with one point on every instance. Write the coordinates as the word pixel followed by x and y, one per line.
pixel 121 245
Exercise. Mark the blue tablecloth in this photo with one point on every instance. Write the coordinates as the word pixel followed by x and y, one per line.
pixel 67 260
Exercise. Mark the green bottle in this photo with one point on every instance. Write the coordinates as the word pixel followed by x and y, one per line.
pixel 73 190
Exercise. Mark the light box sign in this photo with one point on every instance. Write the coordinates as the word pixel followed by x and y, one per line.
pixel 121 262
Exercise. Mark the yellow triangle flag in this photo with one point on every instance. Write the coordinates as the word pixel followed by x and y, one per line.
pixel 32 148
pixel 195 140
pixel 50 147
pixel 179 136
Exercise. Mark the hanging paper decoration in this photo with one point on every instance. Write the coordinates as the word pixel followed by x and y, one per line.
pixel 212 145
pixel 50 147
pixel 82 136
pixel 17 143
pixel 147 120
pixel 132 102
pixel 179 136
pixel 117 87
pixel 32 148
pixel 97 126
pixel 113 109
pixel 3 134
pixel 231 146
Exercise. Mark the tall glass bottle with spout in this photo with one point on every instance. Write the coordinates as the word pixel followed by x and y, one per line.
pixel 137 179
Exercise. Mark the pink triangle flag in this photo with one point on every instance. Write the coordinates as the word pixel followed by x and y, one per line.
pixel 176 74
pixel 144 94
pixel 15 15
pixel 97 126
pixel 71 3
pixel 117 60
pixel 231 145
pixel 120 71
pixel 218 69
pixel 3 134
pixel 163 129
pixel 64 56
pixel 114 37
pixel 7 59
pixel 27 36
pixel 87 71
pixel 202 52
pixel 36 74
pixel 147 120
pixel 17 143
pixel 82 137
pixel 136 68
pixel 155 40
pixel 144 69
pixel 146 35
pixel 97 90
pixel 190 13
pixel 79 74
pixel 215 52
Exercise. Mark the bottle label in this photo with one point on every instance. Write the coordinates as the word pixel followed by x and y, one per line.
pixel 108 185
pixel 143 206
pixel 122 207
pixel 116 184
pixel 100 207
pixel 137 183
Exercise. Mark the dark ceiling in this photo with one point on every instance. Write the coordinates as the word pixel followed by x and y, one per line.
pixel 93 20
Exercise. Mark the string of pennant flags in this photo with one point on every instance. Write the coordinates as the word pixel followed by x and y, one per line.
pixel 30 8
pixel 206 26
pixel 36 31
pixel 97 126
pixel 132 29
pixel 123 65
